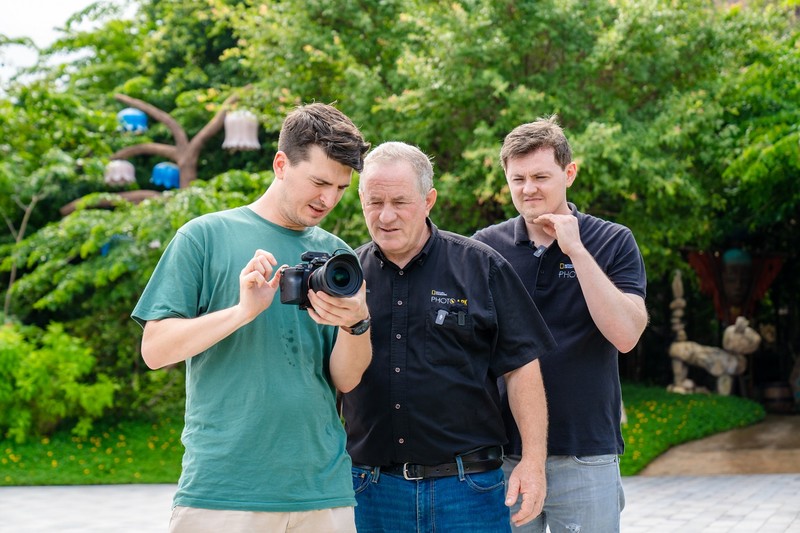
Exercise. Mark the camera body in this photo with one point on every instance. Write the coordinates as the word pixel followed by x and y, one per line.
pixel 339 275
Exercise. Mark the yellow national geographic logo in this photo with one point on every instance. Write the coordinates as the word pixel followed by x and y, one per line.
pixel 566 270
pixel 441 297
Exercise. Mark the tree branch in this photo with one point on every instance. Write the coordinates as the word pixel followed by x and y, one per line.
pixel 181 139
pixel 189 156
pixel 215 124
pixel 12 276
pixel 134 197
pixel 164 150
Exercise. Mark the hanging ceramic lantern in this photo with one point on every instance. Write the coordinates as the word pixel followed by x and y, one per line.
pixel 132 119
pixel 119 172
pixel 166 175
pixel 241 131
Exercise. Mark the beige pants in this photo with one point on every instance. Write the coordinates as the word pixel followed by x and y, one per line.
pixel 193 520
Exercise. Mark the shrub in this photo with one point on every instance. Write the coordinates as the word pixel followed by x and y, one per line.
pixel 40 382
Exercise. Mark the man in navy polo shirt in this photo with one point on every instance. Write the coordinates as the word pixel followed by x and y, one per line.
pixel 587 278
pixel 449 317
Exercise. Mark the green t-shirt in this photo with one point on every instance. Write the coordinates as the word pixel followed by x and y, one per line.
pixel 262 432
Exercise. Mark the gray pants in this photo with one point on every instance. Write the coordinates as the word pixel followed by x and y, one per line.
pixel 584 494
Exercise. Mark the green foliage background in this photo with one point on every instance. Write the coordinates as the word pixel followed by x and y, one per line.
pixel 683 115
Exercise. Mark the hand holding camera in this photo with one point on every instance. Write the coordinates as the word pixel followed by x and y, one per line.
pixel 338 275
pixel 333 280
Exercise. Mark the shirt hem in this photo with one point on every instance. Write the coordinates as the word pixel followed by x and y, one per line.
pixel 278 507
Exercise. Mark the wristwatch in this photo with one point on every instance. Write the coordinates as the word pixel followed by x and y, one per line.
pixel 359 327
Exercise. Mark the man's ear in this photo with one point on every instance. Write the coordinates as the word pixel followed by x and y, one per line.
pixel 279 164
pixel 572 172
pixel 430 199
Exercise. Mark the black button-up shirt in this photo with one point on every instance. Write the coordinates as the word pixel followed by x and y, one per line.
pixel 443 329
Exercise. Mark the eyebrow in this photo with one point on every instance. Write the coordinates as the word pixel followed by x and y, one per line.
pixel 404 196
pixel 529 174
pixel 324 181
pixel 320 179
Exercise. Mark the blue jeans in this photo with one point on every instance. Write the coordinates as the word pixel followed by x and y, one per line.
pixel 389 503
pixel 584 494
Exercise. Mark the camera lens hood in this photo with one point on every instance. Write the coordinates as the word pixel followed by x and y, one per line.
pixel 340 276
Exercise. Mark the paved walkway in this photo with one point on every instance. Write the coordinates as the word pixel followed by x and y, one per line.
pixel 714 502
pixel 744 480
pixel 86 509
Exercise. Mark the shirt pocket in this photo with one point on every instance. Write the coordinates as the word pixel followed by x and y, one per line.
pixel 449 331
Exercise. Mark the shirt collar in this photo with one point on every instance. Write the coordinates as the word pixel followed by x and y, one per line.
pixel 521 232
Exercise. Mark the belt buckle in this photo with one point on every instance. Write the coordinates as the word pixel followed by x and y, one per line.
pixel 406 476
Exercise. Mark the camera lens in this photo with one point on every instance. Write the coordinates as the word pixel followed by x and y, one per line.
pixel 340 276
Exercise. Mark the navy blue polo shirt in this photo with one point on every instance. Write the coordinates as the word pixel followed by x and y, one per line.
pixel 581 375
pixel 444 328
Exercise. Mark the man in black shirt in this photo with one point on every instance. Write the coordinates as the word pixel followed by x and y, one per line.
pixel 587 277
pixel 449 316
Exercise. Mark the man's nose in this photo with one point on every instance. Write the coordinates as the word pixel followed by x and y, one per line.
pixel 328 197
pixel 387 214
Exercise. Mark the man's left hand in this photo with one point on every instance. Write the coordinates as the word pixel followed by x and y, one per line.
pixel 337 311
pixel 528 482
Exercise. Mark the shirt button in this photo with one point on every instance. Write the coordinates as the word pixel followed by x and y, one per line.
pixel 399 302
pixel 401 272
pixel 398 336
pixel 397 406
pixel 401 440
pixel 397 369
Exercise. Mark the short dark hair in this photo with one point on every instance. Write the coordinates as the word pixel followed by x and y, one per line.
pixel 544 132
pixel 325 126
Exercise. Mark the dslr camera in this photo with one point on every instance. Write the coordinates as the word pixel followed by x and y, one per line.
pixel 339 275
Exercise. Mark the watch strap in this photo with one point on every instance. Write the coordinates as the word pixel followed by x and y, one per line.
pixel 359 327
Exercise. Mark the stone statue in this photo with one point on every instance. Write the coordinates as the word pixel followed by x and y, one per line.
pixel 738 340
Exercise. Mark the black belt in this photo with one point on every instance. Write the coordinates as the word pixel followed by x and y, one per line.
pixel 481 460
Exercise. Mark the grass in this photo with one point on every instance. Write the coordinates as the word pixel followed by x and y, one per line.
pixel 143 452
pixel 126 452
pixel 658 420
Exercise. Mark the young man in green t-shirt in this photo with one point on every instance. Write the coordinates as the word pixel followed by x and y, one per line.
pixel 265 448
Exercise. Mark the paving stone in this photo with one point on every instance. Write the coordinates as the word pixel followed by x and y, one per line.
pixel 760 502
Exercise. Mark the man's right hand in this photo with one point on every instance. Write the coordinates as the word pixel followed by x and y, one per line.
pixel 171 340
pixel 256 289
